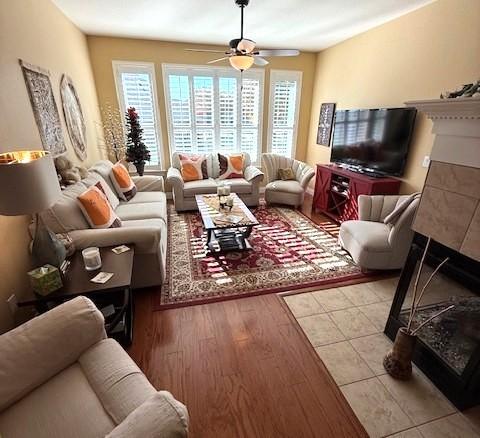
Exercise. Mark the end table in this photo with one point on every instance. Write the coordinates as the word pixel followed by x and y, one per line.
pixel 116 291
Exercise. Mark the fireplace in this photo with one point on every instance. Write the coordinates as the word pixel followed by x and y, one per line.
pixel 448 351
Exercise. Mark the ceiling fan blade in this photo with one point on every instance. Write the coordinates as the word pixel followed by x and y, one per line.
pixel 278 52
pixel 218 60
pixel 259 61
pixel 205 50
pixel 246 45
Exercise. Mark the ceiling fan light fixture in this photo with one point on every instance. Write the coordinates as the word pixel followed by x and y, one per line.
pixel 246 45
pixel 241 62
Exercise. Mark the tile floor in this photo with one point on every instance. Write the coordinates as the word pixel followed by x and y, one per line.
pixel 345 326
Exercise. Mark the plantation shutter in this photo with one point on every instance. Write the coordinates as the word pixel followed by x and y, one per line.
pixel 212 110
pixel 135 87
pixel 284 101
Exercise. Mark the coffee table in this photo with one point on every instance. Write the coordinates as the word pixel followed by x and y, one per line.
pixel 223 235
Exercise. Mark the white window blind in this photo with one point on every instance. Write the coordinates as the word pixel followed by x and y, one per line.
pixel 213 109
pixel 285 89
pixel 136 88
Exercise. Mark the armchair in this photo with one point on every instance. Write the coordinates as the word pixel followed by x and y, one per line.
pixel 291 192
pixel 382 236
pixel 60 377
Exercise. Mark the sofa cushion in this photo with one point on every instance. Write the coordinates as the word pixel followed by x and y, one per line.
pixel 65 215
pixel 104 168
pixel 144 197
pixel 147 210
pixel 238 185
pixel 116 379
pixel 203 186
pixel 65 405
pixel 369 236
pixel 292 186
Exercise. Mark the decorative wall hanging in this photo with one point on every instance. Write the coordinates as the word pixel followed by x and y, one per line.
pixel 325 123
pixel 74 120
pixel 44 108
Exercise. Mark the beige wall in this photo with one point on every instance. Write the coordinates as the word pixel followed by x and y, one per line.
pixel 37 32
pixel 416 56
pixel 103 50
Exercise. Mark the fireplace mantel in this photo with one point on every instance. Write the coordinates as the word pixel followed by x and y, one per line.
pixel 456 125
pixel 461 108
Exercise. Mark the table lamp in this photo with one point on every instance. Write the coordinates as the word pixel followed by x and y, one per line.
pixel 29 184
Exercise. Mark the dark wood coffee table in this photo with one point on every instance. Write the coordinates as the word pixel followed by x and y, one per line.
pixel 225 236
pixel 115 291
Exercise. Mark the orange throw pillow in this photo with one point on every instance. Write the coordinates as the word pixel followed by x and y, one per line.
pixel 123 183
pixel 194 167
pixel 97 210
pixel 231 166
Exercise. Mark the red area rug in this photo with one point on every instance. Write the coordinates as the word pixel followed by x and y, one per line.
pixel 289 252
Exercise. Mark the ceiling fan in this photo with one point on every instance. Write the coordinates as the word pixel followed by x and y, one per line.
pixel 242 54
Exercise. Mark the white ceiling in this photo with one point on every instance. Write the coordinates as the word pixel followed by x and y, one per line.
pixel 309 25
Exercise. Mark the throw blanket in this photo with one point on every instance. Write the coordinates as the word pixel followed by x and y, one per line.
pixel 392 218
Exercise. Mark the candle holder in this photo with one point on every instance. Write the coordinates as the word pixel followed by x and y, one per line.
pixel 91 258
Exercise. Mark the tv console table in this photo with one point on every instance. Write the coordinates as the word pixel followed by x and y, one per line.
pixel 337 190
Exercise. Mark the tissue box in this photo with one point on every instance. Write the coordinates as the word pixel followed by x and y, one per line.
pixel 45 280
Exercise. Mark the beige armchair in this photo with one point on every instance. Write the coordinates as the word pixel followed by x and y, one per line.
pixel 382 236
pixel 291 192
pixel 60 376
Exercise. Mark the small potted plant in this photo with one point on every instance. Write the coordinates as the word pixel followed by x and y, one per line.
pixel 398 362
pixel 137 153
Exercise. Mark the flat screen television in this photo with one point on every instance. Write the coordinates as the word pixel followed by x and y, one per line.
pixel 373 141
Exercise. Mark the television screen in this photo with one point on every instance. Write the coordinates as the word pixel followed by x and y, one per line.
pixel 373 140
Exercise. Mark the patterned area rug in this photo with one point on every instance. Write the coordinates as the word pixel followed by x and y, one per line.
pixel 289 252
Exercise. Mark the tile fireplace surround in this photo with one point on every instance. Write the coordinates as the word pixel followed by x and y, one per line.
pixel 449 211
pixel 448 350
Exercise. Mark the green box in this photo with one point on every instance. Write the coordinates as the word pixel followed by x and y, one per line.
pixel 45 280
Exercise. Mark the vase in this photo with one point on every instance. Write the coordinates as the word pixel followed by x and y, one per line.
pixel 398 362
pixel 46 248
pixel 140 167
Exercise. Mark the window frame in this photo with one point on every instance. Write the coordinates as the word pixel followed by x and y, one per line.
pixel 207 70
pixel 119 67
pixel 288 75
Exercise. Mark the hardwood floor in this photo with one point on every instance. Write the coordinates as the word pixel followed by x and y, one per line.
pixel 243 368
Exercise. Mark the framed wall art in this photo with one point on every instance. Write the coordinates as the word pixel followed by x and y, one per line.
pixel 44 108
pixel 325 124
pixel 74 120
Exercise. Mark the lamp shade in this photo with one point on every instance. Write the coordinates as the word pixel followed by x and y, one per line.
pixel 241 62
pixel 28 182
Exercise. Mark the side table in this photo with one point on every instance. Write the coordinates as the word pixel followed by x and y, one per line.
pixel 116 291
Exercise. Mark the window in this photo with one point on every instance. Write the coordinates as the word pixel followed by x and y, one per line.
pixel 136 87
pixel 213 109
pixel 285 89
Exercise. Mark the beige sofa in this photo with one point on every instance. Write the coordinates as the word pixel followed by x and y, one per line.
pixel 290 192
pixel 247 188
pixel 60 377
pixel 144 222
pixel 374 244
